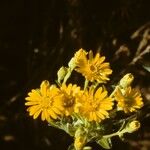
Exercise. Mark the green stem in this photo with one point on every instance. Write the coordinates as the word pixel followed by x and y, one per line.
pixel 53 124
pixel 112 94
pixel 119 132
pixel 86 84
pixel 67 76
pixel 111 135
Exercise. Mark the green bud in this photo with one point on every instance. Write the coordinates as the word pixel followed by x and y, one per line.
pixel 130 127
pixel 62 73
pixel 133 126
pixel 126 80
pixel 72 63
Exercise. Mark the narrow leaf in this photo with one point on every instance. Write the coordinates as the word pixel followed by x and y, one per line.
pixel 146 68
pixel 105 143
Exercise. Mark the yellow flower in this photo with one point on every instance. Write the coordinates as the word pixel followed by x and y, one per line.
pixel 94 105
pixel 129 100
pixel 68 96
pixel 92 68
pixel 44 101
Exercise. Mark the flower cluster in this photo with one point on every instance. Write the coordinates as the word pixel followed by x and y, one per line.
pixel 81 111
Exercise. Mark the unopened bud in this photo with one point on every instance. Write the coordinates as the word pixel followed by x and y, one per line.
pixel 80 139
pixel 79 57
pixel 79 143
pixel 80 53
pixel 72 63
pixel 133 126
pixel 126 80
pixel 62 73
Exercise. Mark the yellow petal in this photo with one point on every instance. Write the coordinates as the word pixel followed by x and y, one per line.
pixel 33 109
pixel 44 87
pixel 37 114
pixel 31 103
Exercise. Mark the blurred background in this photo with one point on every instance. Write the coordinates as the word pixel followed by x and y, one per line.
pixel 39 36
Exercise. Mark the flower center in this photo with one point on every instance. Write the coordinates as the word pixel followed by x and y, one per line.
pixel 129 101
pixel 94 105
pixel 69 101
pixel 46 102
pixel 93 68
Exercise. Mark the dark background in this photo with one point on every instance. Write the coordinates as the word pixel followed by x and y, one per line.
pixel 39 36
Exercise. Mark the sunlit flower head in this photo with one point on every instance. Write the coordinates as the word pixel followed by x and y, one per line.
pixel 44 101
pixel 68 96
pixel 129 101
pixel 92 68
pixel 93 105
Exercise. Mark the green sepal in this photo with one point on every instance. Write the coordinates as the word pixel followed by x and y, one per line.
pixel 71 147
pixel 105 143
pixel 87 148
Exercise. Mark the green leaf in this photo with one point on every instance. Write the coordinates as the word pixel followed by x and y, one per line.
pixel 105 143
pixel 146 68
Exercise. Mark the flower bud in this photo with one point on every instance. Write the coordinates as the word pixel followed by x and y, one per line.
pixel 80 53
pixel 80 139
pixel 79 143
pixel 62 73
pixel 126 80
pixel 133 126
pixel 72 63
pixel 78 57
